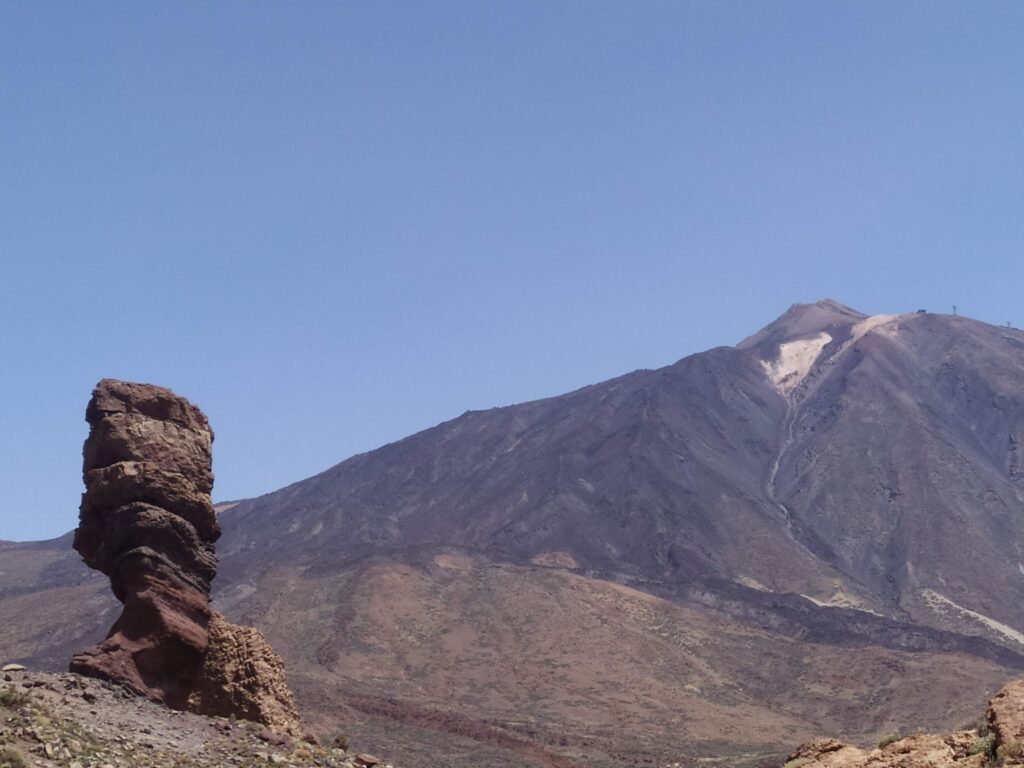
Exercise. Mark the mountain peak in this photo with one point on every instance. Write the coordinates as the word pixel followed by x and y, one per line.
pixel 803 319
pixel 831 305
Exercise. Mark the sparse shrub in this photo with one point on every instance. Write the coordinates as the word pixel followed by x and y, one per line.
pixel 311 739
pixel 11 758
pixel 985 745
pixel 980 725
pixel 1008 750
pixel 11 697
pixel 340 742
pixel 885 741
pixel 798 763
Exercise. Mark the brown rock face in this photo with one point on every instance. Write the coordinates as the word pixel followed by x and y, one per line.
pixel 923 750
pixel 242 675
pixel 1006 718
pixel 147 522
pixel 997 741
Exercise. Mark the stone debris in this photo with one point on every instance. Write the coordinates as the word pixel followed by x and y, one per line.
pixel 49 720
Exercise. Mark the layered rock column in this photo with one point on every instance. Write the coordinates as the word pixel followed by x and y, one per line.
pixel 147 522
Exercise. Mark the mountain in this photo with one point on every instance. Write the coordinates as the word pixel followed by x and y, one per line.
pixel 818 530
pixel 867 462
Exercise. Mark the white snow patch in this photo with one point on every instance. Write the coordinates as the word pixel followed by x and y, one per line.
pixel 939 602
pixel 794 361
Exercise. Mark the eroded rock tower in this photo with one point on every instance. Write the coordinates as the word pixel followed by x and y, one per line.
pixel 147 522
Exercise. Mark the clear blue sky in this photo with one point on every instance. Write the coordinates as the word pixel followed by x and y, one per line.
pixel 334 224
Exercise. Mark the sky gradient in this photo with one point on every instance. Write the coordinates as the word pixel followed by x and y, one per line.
pixel 333 224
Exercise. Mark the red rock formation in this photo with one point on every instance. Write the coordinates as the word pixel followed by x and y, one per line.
pixel 147 521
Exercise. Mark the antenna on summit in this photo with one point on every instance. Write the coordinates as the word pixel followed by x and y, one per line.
pixel 954 310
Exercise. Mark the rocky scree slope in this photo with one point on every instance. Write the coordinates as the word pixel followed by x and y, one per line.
pixel 49 720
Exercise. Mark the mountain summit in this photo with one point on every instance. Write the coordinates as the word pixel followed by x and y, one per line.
pixel 803 319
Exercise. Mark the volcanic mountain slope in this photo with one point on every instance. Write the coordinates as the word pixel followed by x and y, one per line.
pixel 51 603
pixel 870 462
pixel 817 531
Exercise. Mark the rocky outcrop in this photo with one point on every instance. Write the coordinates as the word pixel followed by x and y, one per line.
pixel 147 522
pixel 243 676
pixel 918 751
pixel 997 740
pixel 1006 720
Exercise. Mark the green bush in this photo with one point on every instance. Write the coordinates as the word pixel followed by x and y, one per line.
pixel 10 758
pixel 984 745
pixel 887 740
pixel 11 697
pixel 800 761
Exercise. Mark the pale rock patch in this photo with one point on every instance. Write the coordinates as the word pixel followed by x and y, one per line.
pixel 841 599
pixel 454 562
pixel 794 361
pixel 557 559
pixel 940 603
pixel 746 581
pixel 883 322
